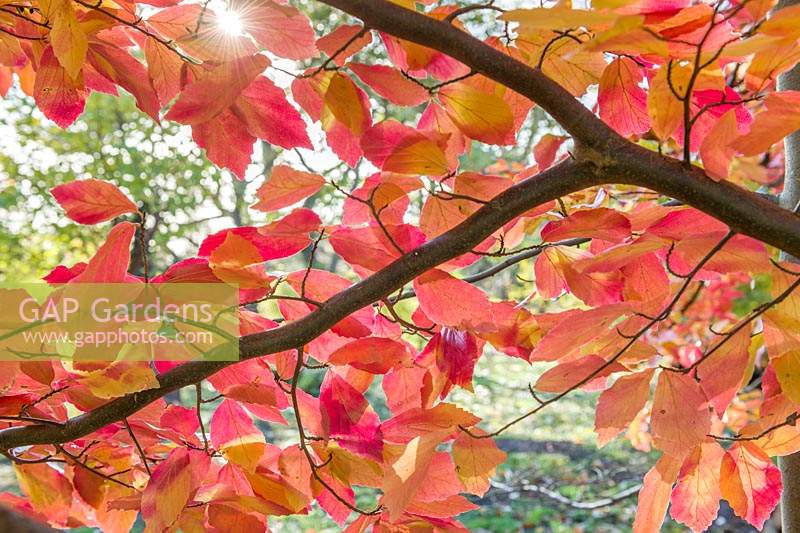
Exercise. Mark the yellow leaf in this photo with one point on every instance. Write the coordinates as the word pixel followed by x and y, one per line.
pixel 573 65
pixel 119 379
pixel 476 461
pixel 663 106
pixel 480 115
pixel 67 38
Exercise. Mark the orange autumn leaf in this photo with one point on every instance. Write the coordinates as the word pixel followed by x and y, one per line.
pixel 654 495
pixel 619 405
pixel 695 499
pixel 680 419
pixel 286 186
pixel 479 115
pixel 476 461
pixel 91 201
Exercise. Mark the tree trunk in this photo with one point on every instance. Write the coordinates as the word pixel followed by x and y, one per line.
pixel 11 520
pixel 790 465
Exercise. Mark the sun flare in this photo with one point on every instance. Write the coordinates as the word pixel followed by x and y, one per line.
pixel 230 22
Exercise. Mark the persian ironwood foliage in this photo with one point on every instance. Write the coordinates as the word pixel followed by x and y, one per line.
pixel 687 123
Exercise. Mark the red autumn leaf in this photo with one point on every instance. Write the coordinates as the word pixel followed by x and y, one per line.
pixel 110 262
pixel 391 84
pixel 92 201
pixel 750 482
pixel 338 39
pixel 780 118
pixel 235 436
pixel 215 90
pixel 567 375
pixel 226 141
pixel 172 486
pixel 60 97
pixel 450 301
pixel 545 150
pixel 695 498
pixel 454 353
pixel 279 28
pixel 266 114
pixel 372 354
pixel 600 223
pixel 623 103
pixel 394 147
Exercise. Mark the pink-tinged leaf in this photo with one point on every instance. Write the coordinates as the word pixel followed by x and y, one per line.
pixel 654 495
pixel 601 223
pixel 286 186
pixel 546 149
pixel 321 285
pixel 370 248
pixel 172 486
pixel 407 467
pixel 555 273
pixel 342 108
pixel 750 482
pixel 288 235
pixel 267 115
pixel 403 388
pixel 680 419
pixel 695 499
pixel 740 254
pixel 476 461
pixel 336 42
pixel 569 374
pixel 376 355
pixel 110 262
pixel 62 274
pixel 781 117
pixel 57 95
pixel 226 141
pixel 715 150
pixel 390 83
pixel 415 422
pixel 282 238
pixel 454 353
pixel 450 301
pixel 567 332
pixel 92 201
pixel 394 147
pixel 620 404
pixel 347 415
pixel 281 29
pixel 216 90
pixel 623 103
pixel 235 436
pixel 191 270
pixel 722 373
pixel 121 68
